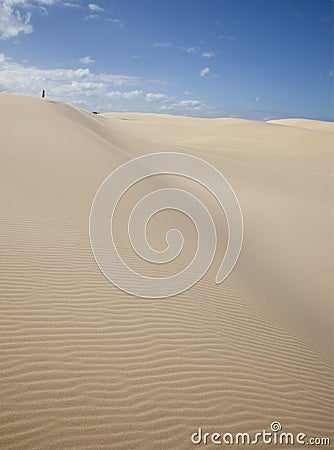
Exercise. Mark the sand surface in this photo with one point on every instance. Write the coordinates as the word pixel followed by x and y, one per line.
pixel 84 365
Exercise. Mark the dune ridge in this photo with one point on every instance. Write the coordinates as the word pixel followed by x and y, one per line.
pixel 84 365
pixel 305 123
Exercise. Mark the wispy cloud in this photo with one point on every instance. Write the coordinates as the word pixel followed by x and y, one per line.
pixel 16 15
pixel 174 105
pixel 86 60
pixel 162 44
pixel 190 50
pixel 128 95
pixel 158 97
pixel 13 19
pixel 119 22
pixel 187 107
pixel 230 38
pixel 94 11
pixel 208 54
pixel 166 44
pixel 190 103
pixel 91 17
pixel 95 7
pixel 204 72
pixel 71 5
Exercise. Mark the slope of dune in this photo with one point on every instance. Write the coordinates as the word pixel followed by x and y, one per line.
pixel 84 365
pixel 305 123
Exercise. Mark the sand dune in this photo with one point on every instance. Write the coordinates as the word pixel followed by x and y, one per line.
pixel 84 365
pixel 305 123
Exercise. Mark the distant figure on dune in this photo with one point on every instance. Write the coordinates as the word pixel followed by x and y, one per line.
pixel 43 93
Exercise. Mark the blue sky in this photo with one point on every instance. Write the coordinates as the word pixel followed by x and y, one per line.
pixel 255 59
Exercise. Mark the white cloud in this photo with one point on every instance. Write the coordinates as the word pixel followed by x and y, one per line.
pixel 186 107
pixel 331 74
pixel 150 97
pixel 62 84
pixel 256 99
pixel 15 15
pixel 190 103
pixel 70 5
pixel 162 44
pixel 94 7
pixel 204 72
pixel 129 95
pixel 92 17
pixel 86 60
pixel 80 103
pixel 13 19
pixel 208 54
pixel 93 91
pixel 190 50
pixel 168 107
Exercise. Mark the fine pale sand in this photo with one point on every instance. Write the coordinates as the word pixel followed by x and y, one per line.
pixel 86 366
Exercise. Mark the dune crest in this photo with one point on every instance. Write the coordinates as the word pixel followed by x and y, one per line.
pixel 305 123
